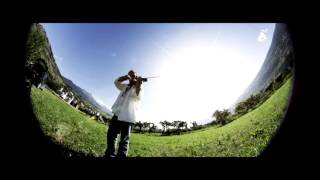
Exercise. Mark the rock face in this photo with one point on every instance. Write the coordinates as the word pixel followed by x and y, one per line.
pixel 279 59
pixel 38 49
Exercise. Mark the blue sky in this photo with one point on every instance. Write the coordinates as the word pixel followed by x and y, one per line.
pixel 202 67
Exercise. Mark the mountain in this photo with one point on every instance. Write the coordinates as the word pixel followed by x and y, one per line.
pixel 279 59
pixel 38 50
pixel 84 95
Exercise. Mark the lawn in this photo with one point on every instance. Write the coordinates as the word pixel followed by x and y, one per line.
pixel 246 136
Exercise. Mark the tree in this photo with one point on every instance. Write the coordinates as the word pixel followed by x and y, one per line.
pixel 221 116
pixel 165 124
pixel 146 125
pixel 170 124
pixel 152 127
pixel 241 108
pixel 185 125
pixel 181 124
pixel 139 124
pixel 194 125
pixel 252 102
pixel 175 124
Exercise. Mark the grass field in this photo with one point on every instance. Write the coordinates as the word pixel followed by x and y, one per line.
pixel 246 136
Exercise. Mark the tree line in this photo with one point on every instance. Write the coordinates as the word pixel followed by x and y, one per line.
pixel 219 117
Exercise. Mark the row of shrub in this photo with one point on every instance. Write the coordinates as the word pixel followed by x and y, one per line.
pixel 256 100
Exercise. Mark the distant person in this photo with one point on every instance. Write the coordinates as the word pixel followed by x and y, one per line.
pixel 44 77
pixel 125 111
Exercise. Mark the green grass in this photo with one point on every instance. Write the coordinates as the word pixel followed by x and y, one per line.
pixel 246 136
pixel 66 125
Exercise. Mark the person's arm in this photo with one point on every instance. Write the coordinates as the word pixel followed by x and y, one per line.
pixel 123 78
pixel 118 82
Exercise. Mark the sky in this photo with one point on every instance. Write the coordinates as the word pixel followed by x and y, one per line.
pixel 203 67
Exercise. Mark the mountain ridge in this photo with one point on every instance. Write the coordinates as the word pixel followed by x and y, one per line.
pixel 86 95
pixel 279 59
pixel 38 49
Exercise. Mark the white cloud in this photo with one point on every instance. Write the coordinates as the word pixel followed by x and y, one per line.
pixel 59 58
pixel 262 35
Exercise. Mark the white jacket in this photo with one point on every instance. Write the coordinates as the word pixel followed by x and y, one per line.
pixel 126 107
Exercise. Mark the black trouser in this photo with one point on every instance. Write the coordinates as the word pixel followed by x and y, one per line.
pixel 116 127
